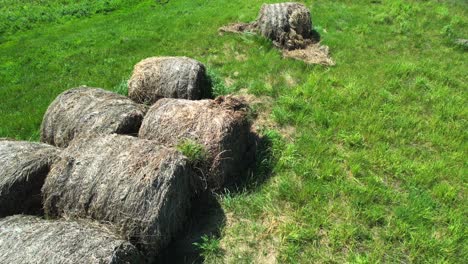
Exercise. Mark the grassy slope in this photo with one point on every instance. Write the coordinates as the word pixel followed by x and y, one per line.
pixel 376 170
pixel 23 15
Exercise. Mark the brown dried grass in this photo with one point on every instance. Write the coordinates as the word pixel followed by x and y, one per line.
pixel 23 169
pixel 29 239
pixel 168 77
pixel 89 110
pixel 138 186
pixel 222 126
pixel 312 54
pixel 289 26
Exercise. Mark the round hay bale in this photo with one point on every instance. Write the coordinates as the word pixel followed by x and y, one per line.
pixel 23 169
pixel 29 239
pixel 140 187
pixel 168 77
pixel 288 25
pixel 89 110
pixel 220 125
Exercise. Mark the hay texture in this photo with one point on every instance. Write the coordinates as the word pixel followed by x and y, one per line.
pixel 29 239
pixel 220 125
pixel 89 110
pixel 140 187
pixel 289 26
pixel 168 77
pixel 23 169
pixel 238 28
pixel 312 54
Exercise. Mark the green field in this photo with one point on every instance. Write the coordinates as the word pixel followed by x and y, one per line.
pixel 369 157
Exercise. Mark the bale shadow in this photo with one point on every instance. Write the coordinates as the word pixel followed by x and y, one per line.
pixel 315 36
pixel 259 170
pixel 207 217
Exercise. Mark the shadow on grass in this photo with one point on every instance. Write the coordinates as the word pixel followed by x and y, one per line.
pixel 315 35
pixel 259 170
pixel 207 218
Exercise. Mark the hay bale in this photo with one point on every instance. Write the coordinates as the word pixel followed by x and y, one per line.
pixel 140 187
pixel 220 125
pixel 89 110
pixel 168 77
pixel 288 25
pixel 23 169
pixel 29 239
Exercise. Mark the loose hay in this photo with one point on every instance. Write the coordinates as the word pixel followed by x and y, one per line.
pixel 312 54
pixel 237 28
pixel 221 125
pixel 29 239
pixel 89 110
pixel 168 77
pixel 289 26
pixel 23 169
pixel 140 187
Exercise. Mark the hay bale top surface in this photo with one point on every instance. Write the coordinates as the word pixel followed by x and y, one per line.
pixel 137 185
pixel 89 110
pixel 29 239
pixel 205 121
pixel 168 77
pixel 23 168
pixel 220 125
pixel 14 153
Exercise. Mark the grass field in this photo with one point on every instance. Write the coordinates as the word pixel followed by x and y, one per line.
pixel 369 156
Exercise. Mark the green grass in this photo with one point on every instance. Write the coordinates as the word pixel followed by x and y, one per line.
pixel 210 248
pixel 194 151
pixel 376 169
pixel 23 15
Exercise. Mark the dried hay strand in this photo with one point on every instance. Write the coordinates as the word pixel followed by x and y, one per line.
pixel 138 186
pixel 312 54
pixel 289 26
pixel 89 110
pixel 222 126
pixel 29 239
pixel 168 77
pixel 23 169
pixel 237 28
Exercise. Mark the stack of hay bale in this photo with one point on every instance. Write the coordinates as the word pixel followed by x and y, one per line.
pixel 108 176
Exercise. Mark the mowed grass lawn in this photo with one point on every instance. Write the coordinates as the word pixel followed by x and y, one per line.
pixel 369 156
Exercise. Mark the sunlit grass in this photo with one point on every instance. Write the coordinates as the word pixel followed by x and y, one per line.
pixel 376 171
